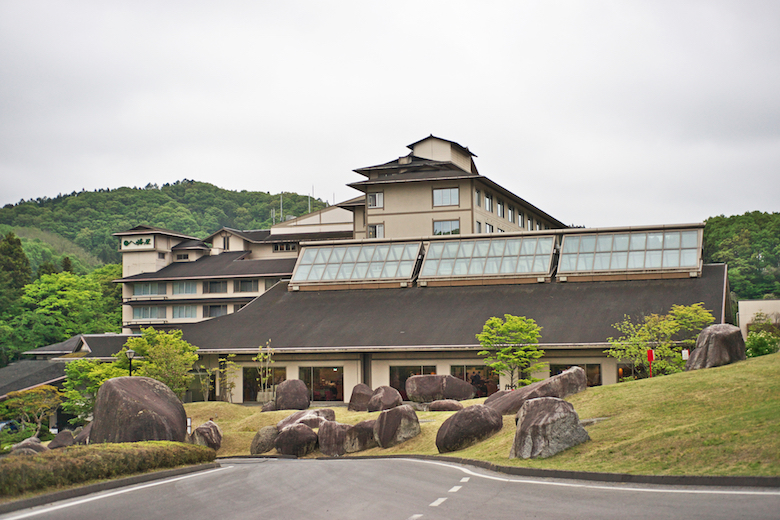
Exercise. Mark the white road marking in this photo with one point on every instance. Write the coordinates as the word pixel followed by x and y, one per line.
pixel 437 502
pixel 114 493
pixel 454 489
pixel 414 517
pixel 627 487
pixel 464 479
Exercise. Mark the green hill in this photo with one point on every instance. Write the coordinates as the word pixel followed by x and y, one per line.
pixel 88 219
pixel 720 421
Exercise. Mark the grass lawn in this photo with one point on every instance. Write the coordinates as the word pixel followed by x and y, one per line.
pixel 720 421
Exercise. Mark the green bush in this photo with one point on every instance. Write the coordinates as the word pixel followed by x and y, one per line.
pixel 761 343
pixel 77 464
pixel 9 438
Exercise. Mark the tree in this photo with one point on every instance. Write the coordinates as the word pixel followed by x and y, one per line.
pixel 510 348
pixel 666 334
pixel 34 405
pixel 83 380
pixel 166 357
pixel 15 273
pixel 265 372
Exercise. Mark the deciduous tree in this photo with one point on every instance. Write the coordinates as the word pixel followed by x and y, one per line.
pixel 510 348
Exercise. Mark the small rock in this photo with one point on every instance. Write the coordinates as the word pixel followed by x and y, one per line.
pixel 445 405
pixel 312 418
pixel 62 440
pixel 568 382
pixel 207 434
pixel 360 437
pixel 717 345
pixel 292 394
pixel 432 387
pixel 331 437
pixel 469 426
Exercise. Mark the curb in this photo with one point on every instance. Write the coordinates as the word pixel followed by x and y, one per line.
pixel 102 486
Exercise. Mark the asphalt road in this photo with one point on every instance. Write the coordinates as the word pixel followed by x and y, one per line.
pixel 402 489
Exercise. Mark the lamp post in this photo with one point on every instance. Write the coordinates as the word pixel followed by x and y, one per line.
pixel 130 355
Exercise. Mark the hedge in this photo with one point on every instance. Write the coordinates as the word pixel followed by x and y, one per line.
pixel 77 464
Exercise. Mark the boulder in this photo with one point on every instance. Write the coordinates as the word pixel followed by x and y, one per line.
pixel 717 345
pixel 432 387
pixel 207 434
pixel 311 418
pixel 566 383
pixel 361 395
pixel 469 426
pixel 131 409
pixel 82 437
pixel 23 451
pixel 384 398
pixel 546 426
pixel 331 437
pixel 445 405
pixel 292 394
pixel 395 426
pixel 360 437
pixel 270 406
pixel 264 441
pixel 62 440
pixel 30 443
pixel 495 396
pixel 298 440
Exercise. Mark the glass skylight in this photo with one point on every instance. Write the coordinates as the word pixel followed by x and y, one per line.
pixel 488 257
pixel 629 251
pixel 359 262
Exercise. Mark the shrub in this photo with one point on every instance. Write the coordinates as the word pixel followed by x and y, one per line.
pixel 78 464
pixel 761 343
pixel 27 430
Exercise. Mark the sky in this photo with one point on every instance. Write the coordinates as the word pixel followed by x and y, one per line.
pixel 600 113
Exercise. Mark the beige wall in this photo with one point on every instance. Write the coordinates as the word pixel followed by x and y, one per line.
pixel 749 308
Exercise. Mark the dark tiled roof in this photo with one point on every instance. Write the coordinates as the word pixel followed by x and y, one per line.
pixel 301 237
pixel 66 347
pixel 250 235
pixel 139 230
pixel 416 163
pixel 29 373
pixel 463 148
pixel 190 244
pixel 418 175
pixel 569 313
pixel 228 264
pixel 351 203
pixel 105 345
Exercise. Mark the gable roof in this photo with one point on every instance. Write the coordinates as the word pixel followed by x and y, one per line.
pixel 145 230
pixel 29 373
pixel 98 346
pixel 425 318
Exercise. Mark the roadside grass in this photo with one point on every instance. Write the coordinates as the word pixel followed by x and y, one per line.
pixel 719 421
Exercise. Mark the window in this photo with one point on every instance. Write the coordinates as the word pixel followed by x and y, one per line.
pixel 324 383
pixel 488 228
pixel 511 214
pixel 376 231
pixel 445 197
pixel 483 379
pixel 270 282
pixel 226 243
pixel 284 247
pixel 521 219
pixel 252 383
pixel 215 287
pixel 357 262
pixel 183 256
pixel 245 286
pixel 184 311
pixel 184 288
pixel 501 230
pixel 399 375
pixel 592 372
pixel 161 256
pixel 237 307
pixel 500 208
pixel 530 223
pixel 478 198
pixel 489 202
pixel 149 289
pixel 538 225
pixel 446 227
pixel 478 228
pixel 214 311
pixel 149 313
pixel 376 200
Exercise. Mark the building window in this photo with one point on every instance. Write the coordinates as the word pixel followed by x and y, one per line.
pixel 215 287
pixel 446 227
pixel 489 202
pixel 253 384
pixel 184 311
pixel 446 197
pixel 184 288
pixel 521 219
pixel 478 198
pixel 501 230
pixel 149 289
pixel 478 228
pixel 226 243
pixel 284 247
pixel 214 311
pixel 376 231
pixel 238 306
pixel 530 223
pixel 161 256
pixel 483 379
pixel 245 286
pixel 270 282
pixel 149 313
pixel 183 256
pixel 488 228
pixel 538 225
pixel 510 214
pixel 324 383
pixel 399 375
pixel 376 200
pixel 500 208
pixel 592 372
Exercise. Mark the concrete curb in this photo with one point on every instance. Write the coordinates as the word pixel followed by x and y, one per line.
pixel 48 498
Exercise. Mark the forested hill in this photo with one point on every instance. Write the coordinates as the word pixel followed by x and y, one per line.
pixel 88 218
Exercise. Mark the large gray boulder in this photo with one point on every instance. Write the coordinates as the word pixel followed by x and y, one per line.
pixel 433 387
pixel 566 383
pixel 360 437
pixel 445 405
pixel 292 394
pixel 331 437
pixel 298 440
pixel 546 426
pixel 207 434
pixel 131 409
pixel 361 395
pixel 62 440
pixel 384 398
pixel 311 418
pixel 717 345
pixel 469 426
pixel 264 441
pixel 396 425
pixel 30 443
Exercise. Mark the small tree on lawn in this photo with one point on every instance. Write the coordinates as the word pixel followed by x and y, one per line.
pixel 34 405
pixel 265 372
pixel 510 348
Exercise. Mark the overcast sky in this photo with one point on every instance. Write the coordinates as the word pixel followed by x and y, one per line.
pixel 600 113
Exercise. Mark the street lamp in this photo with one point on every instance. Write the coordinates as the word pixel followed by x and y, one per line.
pixel 130 355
